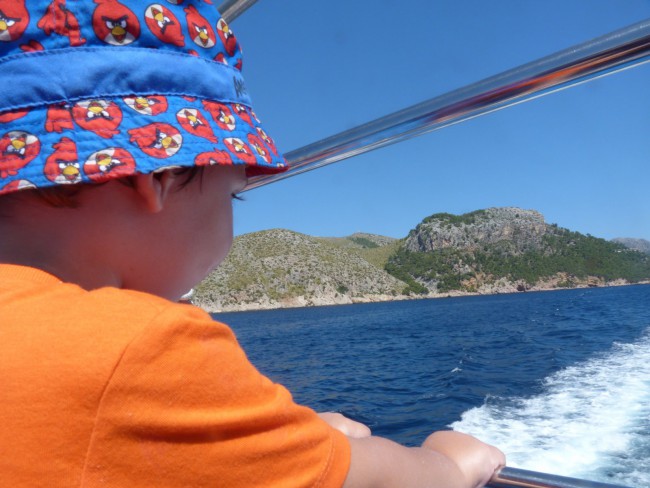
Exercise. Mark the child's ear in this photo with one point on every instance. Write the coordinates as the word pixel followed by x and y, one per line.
pixel 153 188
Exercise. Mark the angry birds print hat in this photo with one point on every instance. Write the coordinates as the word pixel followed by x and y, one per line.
pixel 94 90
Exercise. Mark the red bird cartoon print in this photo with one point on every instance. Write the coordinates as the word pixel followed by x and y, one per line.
pixel 157 140
pixel 221 115
pixel 221 58
pixel 60 20
pixel 62 166
pixel 32 46
pixel 227 37
pixel 213 157
pixel 164 24
pixel 108 163
pixel 195 123
pixel 14 19
pixel 258 146
pixel 17 148
pixel 99 116
pixel 199 28
pixel 147 105
pixel 243 112
pixel 240 149
pixel 255 117
pixel 17 185
pixel 59 118
pixel 13 115
pixel 267 140
pixel 114 23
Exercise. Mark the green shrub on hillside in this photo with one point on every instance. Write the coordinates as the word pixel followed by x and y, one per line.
pixel 401 273
pixel 447 218
pixel 364 242
pixel 563 252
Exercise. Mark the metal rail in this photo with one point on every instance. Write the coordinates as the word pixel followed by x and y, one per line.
pixel 604 55
pixel 231 9
pixel 512 477
pixel 608 54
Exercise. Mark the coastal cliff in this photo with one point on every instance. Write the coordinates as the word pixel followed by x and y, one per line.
pixel 496 250
pixel 501 249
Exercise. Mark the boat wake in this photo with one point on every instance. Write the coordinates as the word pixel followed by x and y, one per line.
pixel 592 421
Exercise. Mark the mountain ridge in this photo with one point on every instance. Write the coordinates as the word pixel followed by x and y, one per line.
pixel 642 245
pixel 495 250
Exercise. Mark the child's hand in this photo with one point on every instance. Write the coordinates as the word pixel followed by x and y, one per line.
pixel 445 460
pixel 476 460
pixel 349 427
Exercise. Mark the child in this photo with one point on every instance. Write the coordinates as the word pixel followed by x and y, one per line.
pixel 125 132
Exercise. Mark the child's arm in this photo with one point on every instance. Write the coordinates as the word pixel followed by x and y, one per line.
pixel 349 427
pixel 445 460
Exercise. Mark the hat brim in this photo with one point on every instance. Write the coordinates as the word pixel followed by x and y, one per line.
pixel 95 140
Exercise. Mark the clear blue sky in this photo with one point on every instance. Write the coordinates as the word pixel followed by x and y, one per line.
pixel 315 68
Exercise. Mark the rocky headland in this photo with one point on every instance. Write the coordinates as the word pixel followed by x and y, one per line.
pixel 496 250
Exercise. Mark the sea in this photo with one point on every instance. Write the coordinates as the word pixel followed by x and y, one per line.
pixel 558 380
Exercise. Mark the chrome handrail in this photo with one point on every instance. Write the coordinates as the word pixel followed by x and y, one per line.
pixel 619 50
pixel 521 478
pixel 231 9
pixel 604 55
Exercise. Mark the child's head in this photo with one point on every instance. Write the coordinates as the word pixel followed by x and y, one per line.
pixel 126 97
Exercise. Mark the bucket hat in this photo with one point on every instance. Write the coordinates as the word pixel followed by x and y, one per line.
pixel 94 90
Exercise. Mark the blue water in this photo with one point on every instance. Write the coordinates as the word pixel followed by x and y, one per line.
pixel 559 380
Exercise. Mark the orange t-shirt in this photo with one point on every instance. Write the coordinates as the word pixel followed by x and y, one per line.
pixel 116 388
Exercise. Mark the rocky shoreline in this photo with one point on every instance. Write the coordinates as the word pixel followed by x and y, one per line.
pixel 496 289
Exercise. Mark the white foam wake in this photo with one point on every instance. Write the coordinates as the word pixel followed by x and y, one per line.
pixel 593 421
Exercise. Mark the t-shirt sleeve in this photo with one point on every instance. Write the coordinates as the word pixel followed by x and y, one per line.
pixel 184 407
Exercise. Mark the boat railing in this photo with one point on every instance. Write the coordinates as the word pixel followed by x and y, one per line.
pixel 231 9
pixel 521 478
pixel 605 55
pixel 608 54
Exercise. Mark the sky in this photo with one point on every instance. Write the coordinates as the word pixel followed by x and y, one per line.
pixel 315 68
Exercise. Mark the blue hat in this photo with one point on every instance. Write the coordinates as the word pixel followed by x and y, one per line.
pixel 105 89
